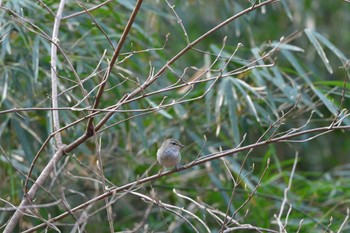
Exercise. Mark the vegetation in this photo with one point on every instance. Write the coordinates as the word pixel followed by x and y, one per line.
pixel 256 91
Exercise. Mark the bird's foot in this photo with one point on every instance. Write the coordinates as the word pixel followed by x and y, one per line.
pixel 160 171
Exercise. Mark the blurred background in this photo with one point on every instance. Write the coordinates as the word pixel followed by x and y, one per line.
pixel 306 74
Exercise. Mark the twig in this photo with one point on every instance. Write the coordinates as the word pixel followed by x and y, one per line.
pixel 100 167
pixel 95 22
pixel 285 198
pixel 89 129
pixel 200 161
pixel 31 193
pixel 89 10
pixel 344 222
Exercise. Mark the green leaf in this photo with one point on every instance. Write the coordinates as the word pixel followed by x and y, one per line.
pixel 287 47
pixel 312 37
pixel 4 86
pixel 231 96
pixel 330 105
pixel 35 58
pixel 331 46
pixel 23 139
pixel 162 111
pixel 180 111
pixel 238 83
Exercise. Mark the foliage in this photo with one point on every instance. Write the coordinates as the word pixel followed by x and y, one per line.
pixel 276 71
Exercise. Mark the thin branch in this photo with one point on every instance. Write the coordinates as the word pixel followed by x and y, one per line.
pixel 344 222
pixel 95 23
pixel 88 10
pixel 35 29
pixel 205 159
pixel 33 190
pixel 172 209
pixel 235 185
pixel 179 21
pixel 175 58
pixel 285 197
pixel 254 190
pixel 41 3
pixel 100 167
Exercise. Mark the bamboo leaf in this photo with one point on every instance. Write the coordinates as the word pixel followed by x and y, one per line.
pixel 331 46
pixel 311 35
pixel 231 97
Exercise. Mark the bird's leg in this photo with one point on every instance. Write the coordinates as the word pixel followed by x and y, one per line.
pixel 160 171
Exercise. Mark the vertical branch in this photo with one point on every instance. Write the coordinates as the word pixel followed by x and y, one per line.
pixel 55 116
pixel 285 198
pixel 100 167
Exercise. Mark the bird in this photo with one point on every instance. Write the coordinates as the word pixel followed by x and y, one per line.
pixel 168 154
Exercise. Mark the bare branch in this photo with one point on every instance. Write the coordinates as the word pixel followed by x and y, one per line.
pixel 55 116
pixel 187 166
pixel 285 199
pixel 33 190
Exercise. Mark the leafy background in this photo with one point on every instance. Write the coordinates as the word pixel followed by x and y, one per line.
pixel 236 105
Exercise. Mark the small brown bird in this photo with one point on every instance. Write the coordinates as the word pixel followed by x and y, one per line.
pixel 168 155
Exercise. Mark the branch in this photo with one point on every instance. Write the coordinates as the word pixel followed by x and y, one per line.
pixel 55 116
pixel 120 44
pixel 31 193
pixel 282 227
pixel 91 130
pixel 204 159
pixel 146 84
